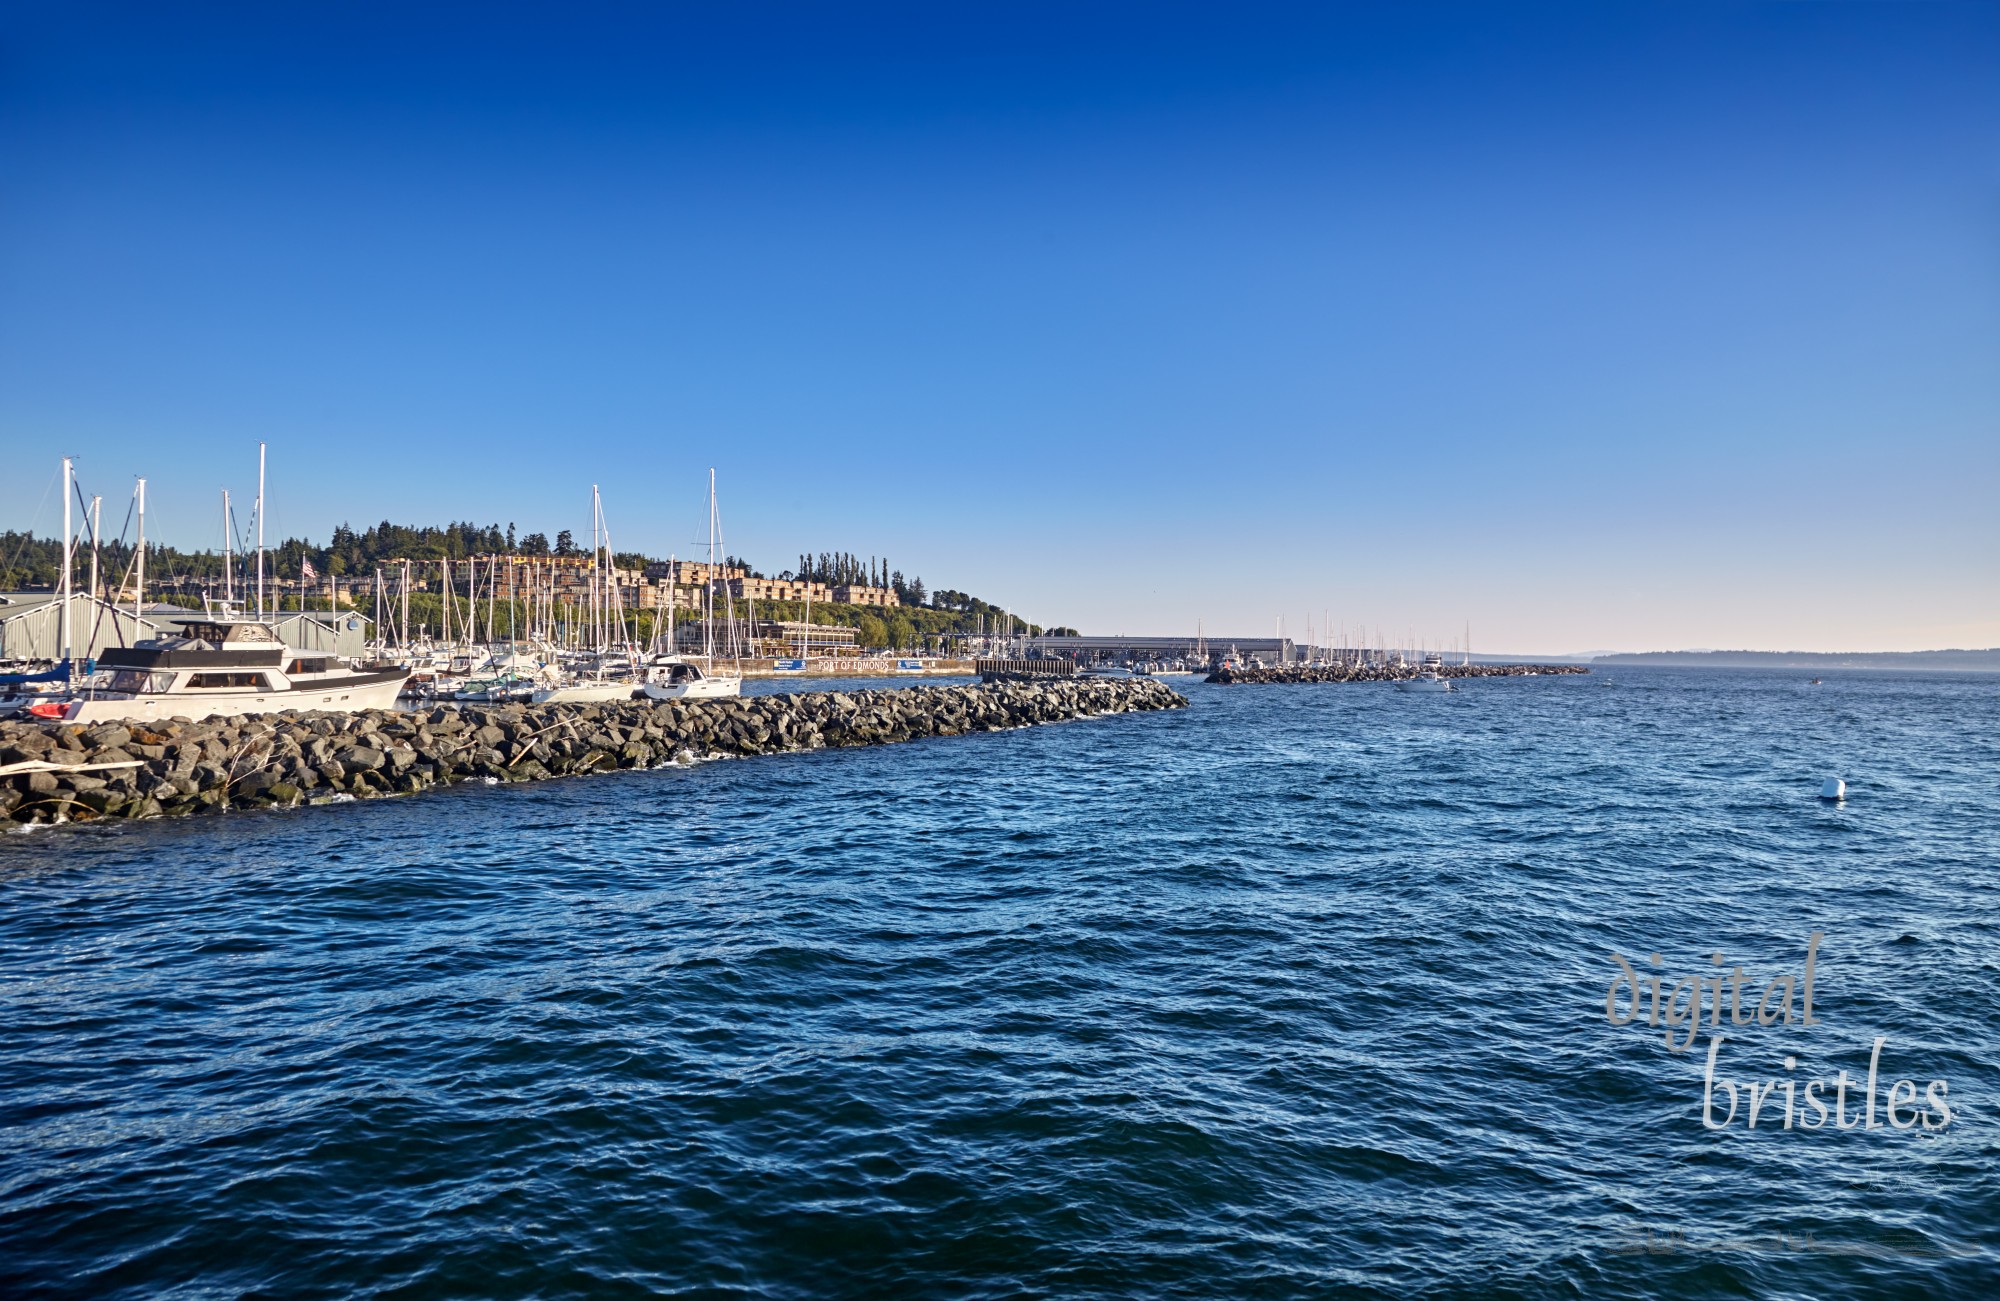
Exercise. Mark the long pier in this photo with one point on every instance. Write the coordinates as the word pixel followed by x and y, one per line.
pixel 1262 673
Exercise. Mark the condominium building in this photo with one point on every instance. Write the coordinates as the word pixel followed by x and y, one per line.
pixel 859 594
pixel 779 589
pixel 692 573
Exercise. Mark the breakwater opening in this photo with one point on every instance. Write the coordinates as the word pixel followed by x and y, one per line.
pixel 1262 673
pixel 182 767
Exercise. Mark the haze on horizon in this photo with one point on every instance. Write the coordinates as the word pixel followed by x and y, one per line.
pixel 1626 327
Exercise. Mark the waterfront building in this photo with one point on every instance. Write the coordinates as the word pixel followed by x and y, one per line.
pixel 779 639
pixel 31 627
pixel 691 573
pixel 861 594
pixel 779 589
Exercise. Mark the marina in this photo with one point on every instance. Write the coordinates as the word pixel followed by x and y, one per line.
pixel 501 629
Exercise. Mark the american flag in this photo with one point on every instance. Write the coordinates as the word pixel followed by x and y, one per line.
pixel 307 572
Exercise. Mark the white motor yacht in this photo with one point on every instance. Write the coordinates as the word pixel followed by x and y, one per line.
pixel 1430 679
pixel 223 664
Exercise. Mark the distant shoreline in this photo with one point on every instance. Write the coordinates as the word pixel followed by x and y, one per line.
pixel 1937 661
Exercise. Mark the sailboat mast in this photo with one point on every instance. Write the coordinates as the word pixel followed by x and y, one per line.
pixel 96 519
pixel 708 629
pixel 591 584
pixel 139 592
pixel 69 557
pixel 260 530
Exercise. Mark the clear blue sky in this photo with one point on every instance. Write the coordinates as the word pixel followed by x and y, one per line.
pixel 1607 326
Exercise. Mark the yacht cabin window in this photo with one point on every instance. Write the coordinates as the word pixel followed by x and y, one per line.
pixel 240 681
pixel 138 680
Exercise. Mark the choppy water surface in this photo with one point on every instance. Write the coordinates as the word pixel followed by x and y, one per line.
pixel 1296 992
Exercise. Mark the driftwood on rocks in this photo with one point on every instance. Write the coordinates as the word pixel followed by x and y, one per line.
pixel 182 766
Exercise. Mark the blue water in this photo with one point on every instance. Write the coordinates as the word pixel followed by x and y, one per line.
pixel 1296 992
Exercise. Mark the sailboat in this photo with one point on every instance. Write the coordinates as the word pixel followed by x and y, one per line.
pixel 675 677
pixel 608 672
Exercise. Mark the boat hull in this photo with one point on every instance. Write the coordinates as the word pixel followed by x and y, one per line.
pixel 338 696
pixel 580 693
pixel 703 689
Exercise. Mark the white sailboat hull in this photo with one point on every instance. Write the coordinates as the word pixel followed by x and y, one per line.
pixel 579 693
pixel 700 689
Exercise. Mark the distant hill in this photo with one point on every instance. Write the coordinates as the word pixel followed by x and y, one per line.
pixel 1952 661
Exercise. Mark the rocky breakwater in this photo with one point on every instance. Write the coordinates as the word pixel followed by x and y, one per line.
pixel 1382 672
pixel 179 767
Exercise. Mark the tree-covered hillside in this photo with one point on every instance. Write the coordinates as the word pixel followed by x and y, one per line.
pixel 924 618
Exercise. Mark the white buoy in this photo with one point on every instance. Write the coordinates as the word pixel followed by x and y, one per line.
pixel 1833 788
